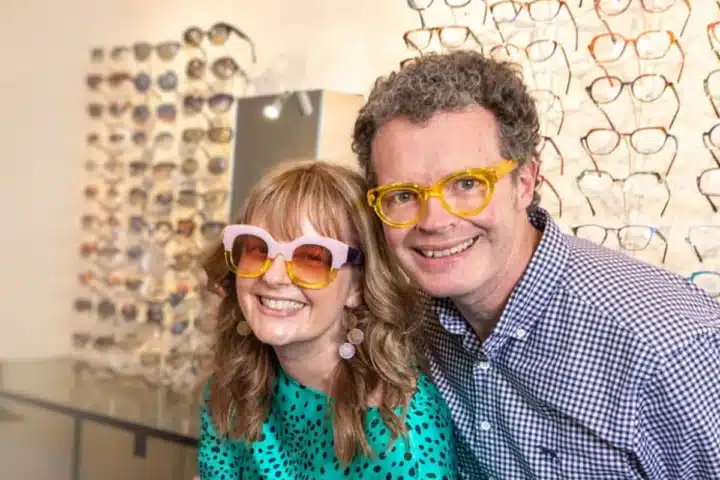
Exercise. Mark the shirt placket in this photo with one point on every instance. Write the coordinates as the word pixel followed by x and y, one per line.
pixel 481 374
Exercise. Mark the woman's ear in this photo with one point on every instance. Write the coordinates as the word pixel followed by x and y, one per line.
pixel 355 293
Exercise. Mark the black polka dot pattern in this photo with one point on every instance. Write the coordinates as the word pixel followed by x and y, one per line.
pixel 296 442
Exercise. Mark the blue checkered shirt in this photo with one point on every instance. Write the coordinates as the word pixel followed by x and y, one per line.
pixel 601 367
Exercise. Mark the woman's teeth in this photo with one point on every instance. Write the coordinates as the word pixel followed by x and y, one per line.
pixel 281 305
pixel 448 251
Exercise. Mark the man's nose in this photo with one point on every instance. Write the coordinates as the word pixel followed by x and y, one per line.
pixel 435 217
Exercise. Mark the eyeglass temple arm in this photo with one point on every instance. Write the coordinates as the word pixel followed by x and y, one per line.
pixel 355 256
pixel 245 37
pixel 695 249
pixel 664 239
pixel 587 199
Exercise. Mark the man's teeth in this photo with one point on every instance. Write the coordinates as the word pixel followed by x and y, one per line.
pixel 448 251
pixel 282 305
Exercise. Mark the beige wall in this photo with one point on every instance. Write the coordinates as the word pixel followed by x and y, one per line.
pixel 341 45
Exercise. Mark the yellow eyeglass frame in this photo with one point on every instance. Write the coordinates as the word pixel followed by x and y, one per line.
pixel 490 175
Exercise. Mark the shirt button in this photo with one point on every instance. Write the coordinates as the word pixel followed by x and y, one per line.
pixel 483 365
pixel 484 426
pixel 520 333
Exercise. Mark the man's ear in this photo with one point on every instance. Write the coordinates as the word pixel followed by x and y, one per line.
pixel 525 183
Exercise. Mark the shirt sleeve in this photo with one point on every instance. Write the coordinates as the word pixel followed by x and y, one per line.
pixel 217 458
pixel 678 427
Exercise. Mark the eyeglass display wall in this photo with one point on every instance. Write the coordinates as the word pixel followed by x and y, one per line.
pixel 159 162
pixel 629 97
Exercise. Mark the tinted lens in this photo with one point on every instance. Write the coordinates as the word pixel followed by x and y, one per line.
pixel 187 198
pixel 142 51
pixel 168 81
pixel 466 194
pixel 193 103
pixel 218 34
pixel 220 134
pixel 312 264
pixel 189 166
pixel 167 51
pixel 400 205
pixel 220 103
pixel 95 109
pixel 195 68
pixel 141 113
pixel 225 67
pixel 249 254
pixel 217 165
pixel 82 305
pixel 139 138
pixel 193 135
pixel 93 81
pixel 167 112
pixel 193 36
pixel 142 82
pixel 129 312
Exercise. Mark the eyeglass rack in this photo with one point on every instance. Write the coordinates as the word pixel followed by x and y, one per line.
pixel 159 163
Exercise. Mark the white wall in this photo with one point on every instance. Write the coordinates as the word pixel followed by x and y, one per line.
pixel 339 45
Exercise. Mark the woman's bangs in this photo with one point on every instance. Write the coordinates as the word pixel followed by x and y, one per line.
pixel 283 208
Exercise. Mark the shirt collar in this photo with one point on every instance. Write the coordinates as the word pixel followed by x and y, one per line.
pixel 532 294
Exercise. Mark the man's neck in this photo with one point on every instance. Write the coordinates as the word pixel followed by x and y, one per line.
pixel 482 308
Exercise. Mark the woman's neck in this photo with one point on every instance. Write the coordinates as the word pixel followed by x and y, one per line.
pixel 311 365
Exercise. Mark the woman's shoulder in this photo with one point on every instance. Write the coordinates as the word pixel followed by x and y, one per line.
pixel 427 395
pixel 428 410
pixel 428 449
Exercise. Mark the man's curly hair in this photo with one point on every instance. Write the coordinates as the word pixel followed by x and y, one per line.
pixel 452 81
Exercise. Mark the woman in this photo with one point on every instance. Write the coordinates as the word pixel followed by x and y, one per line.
pixel 316 369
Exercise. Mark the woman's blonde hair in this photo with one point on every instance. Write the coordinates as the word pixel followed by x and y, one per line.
pixel 332 198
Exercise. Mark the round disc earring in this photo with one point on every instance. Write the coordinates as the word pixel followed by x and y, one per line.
pixel 347 349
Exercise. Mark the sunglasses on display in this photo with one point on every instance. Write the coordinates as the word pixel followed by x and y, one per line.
pixel 218 35
pixel 211 199
pixel 311 261
pixel 115 80
pixel 167 81
pixel 214 134
pixel 223 68
pixel 115 109
pixel 218 103
pixel 166 51
pixel 465 194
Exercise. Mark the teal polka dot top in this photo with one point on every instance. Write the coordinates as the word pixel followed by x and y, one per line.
pixel 297 442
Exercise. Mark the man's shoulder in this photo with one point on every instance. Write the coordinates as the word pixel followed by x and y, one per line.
pixel 654 305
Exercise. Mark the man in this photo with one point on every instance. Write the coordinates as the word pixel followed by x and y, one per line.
pixel 559 358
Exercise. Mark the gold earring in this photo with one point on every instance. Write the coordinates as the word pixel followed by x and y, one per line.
pixel 242 328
